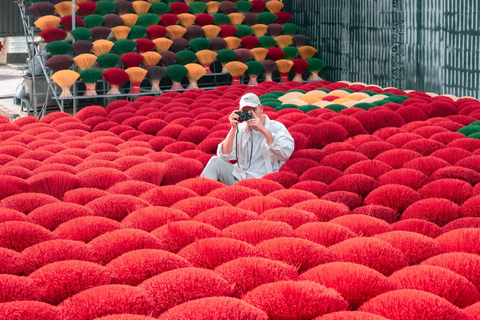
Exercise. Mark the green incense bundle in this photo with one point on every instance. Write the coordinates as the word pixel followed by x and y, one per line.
pixel 255 68
pixel 290 53
pixel 148 19
pixel 137 32
pixel 225 56
pixel 266 42
pixel 90 78
pixel 199 44
pixel 160 8
pixel 243 6
pixel 185 57
pixel 221 19
pixel 105 7
pixel 176 73
pixel 243 31
pixel 108 60
pixel 58 47
pixel 123 46
pixel 93 20
pixel 315 65
pixel 81 33
pixel 197 7
pixel 290 29
pixel 267 18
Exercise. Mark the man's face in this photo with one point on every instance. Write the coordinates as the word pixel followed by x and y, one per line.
pixel 258 110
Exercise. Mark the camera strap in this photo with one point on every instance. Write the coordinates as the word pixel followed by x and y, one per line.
pixel 251 149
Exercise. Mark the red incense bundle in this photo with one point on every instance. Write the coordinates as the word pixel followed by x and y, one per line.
pixel 156 31
pixel 115 77
pixel 53 34
pixel 299 67
pixel 131 59
pixel 144 45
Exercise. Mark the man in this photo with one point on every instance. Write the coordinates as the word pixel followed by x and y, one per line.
pixel 259 145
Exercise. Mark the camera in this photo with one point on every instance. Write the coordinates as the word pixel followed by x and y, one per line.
pixel 244 115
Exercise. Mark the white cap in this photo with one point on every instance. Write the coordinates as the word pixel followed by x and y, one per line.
pixel 249 100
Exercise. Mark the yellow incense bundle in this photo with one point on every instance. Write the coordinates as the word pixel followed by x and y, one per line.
pixel 120 32
pixel 136 76
pixel 195 72
pixel 284 41
pixel 213 6
pixel 141 6
pixel 259 54
pixel 186 19
pixel 211 30
pixel 259 30
pixel 47 22
pixel 274 6
pixel 284 66
pixel 64 8
pixel 206 57
pixel 236 18
pixel 175 31
pixel 236 70
pixel 65 79
pixel 102 46
pixel 151 58
pixel 85 61
pixel 306 52
pixel 232 43
pixel 162 44
pixel 130 19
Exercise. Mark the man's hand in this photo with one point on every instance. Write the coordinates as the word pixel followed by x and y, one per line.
pixel 233 119
pixel 256 123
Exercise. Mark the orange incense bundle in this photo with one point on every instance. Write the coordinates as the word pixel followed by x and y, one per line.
pixel 274 6
pixel 162 44
pixel 299 67
pixel 211 31
pixel 213 6
pixel 151 58
pixel 47 22
pixel 141 7
pixel 186 19
pixel 284 66
pixel 129 19
pixel 232 42
pixel 206 58
pixel 236 70
pixel 156 31
pixel 131 59
pixel 64 8
pixel 306 52
pixel 283 41
pixel 136 76
pixel 120 32
pixel 115 77
pixel 236 18
pixel 144 45
pixel 175 31
pixel 85 61
pixel 259 30
pixel 65 79
pixel 259 54
pixel 102 46
pixel 195 72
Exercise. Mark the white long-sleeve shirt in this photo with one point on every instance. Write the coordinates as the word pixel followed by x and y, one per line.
pixel 266 158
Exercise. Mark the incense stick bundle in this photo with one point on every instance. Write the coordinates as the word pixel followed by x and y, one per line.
pixel 131 59
pixel 93 20
pixel 206 58
pixel 129 19
pixel 108 60
pixel 47 22
pixel 81 33
pixel 137 32
pixel 155 75
pixel 85 61
pixel 255 68
pixel 204 19
pixel 59 62
pixel 195 72
pixel 90 78
pixel 284 66
pixel 251 18
pixel 86 8
pixel 144 45
pixel 211 31
pixel 243 55
pixel 233 42
pixel 53 34
pixel 259 54
pixel 225 56
pixel 315 65
pixel 176 73
pixel 186 19
pixel 259 30
pixel 141 6
pixel 123 46
pixel 217 43
pixel 57 47
pixel 65 79
pixel 194 32
pixel 156 31
pixel 41 9
pixel 81 47
pixel 179 7
pixel 212 7
pixel 236 70
pixel 148 19
pixel 168 58
pixel 185 57
pixel 102 46
pixel 270 67
pixel 112 20
pixel 162 44
pixel 136 76
pixel 179 44
pixel 175 31
pixel 64 8
pixel 299 67
pixel 121 32
pixel 168 19
pixel 115 77
pixel 123 6
pixel 160 8
pixel 151 58
pixel 99 33
pixel 249 42
pixel 306 52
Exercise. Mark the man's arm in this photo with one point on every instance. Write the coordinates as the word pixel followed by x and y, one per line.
pixel 227 144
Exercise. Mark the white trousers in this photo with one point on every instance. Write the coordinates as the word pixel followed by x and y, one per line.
pixel 221 170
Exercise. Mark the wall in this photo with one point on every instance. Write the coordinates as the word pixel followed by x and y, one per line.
pixel 428 45
pixel 10 19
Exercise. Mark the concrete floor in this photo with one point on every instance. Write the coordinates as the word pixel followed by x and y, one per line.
pixel 11 75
